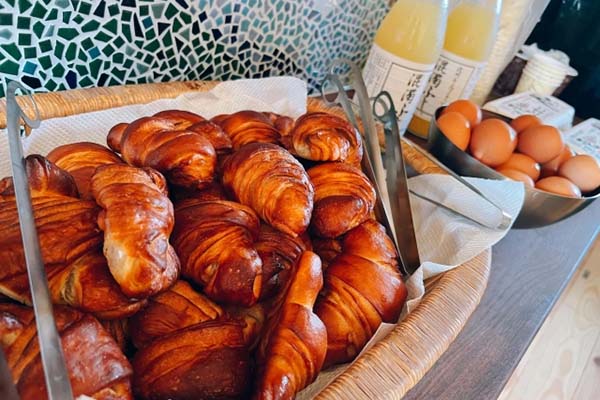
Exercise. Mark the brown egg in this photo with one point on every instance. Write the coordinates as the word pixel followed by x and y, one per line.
pixel 523 122
pixel 583 171
pixel 523 163
pixel 542 143
pixel 516 175
pixel 558 185
pixel 456 128
pixel 467 108
pixel 492 142
pixel 551 167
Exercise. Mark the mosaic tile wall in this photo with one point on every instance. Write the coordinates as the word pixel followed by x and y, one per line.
pixel 60 44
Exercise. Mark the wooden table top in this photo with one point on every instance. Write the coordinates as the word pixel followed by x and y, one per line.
pixel 530 268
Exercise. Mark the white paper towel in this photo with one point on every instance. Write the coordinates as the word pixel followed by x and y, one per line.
pixel 445 240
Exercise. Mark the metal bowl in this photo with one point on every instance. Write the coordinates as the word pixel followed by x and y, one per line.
pixel 540 208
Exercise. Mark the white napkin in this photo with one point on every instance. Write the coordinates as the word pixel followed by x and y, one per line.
pixel 445 240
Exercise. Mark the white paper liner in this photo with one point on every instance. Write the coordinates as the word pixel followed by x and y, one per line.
pixel 445 239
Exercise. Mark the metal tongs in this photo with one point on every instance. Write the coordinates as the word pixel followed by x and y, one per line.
pixel 55 371
pixel 392 207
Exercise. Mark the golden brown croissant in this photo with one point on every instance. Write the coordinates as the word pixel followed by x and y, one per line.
pixel 118 329
pixel 185 120
pixel 293 347
pixel 252 320
pixel 96 366
pixel 215 242
pixel 177 308
pixel 137 220
pixel 362 289
pixel 81 160
pixel 186 158
pixel 344 198
pixel 70 242
pixel 279 253
pixel 205 361
pixel 269 179
pixel 245 127
pixel 319 136
pixel 327 250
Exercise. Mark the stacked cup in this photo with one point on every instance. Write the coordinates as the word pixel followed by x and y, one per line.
pixel 544 75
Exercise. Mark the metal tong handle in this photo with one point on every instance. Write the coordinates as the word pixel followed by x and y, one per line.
pixel 381 212
pixel 506 218
pixel 397 183
pixel 55 370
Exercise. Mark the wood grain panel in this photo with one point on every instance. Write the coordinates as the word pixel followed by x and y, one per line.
pixel 560 362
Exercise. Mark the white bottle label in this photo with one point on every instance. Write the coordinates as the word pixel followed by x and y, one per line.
pixel 453 78
pixel 403 79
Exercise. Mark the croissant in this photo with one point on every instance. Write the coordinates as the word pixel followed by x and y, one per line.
pixel 186 158
pixel 319 136
pixel 205 361
pixel 252 320
pixel 272 182
pixel 137 220
pixel 245 127
pixel 96 366
pixel 279 253
pixel 327 250
pixel 81 160
pixel 362 289
pixel 282 123
pixel 70 242
pixel 118 329
pixel 344 198
pixel 293 347
pixel 177 308
pixel 215 241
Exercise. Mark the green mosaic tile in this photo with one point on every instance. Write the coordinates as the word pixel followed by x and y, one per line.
pixel 108 50
pixel 66 17
pixel 23 22
pixel 67 33
pixel 13 50
pixel 51 86
pixel 24 39
pixel 90 26
pixel 85 8
pixel 208 39
pixel 118 42
pixel 11 2
pixel 52 15
pixel 113 10
pixel 38 29
pixel 171 11
pixel 9 67
pixel 112 26
pixel 86 82
pixel 58 71
pixel 6 19
pixel 38 11
pixel 103 37
pixel 118 58
pixel 81 70
pixel 45 62
pixel 95 67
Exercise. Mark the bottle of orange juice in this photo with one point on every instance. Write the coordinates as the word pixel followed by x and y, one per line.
pixel 470 35
pixel 405 50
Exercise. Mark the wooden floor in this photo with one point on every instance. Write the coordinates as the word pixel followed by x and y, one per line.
pixel 563 361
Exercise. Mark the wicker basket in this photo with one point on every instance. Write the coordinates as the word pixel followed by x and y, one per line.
pixel 395 364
